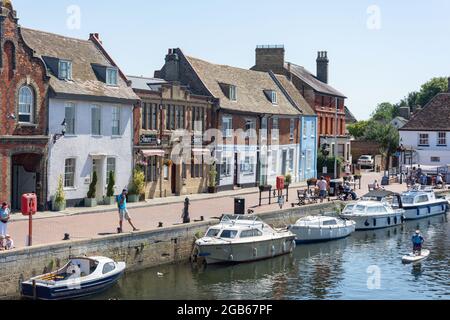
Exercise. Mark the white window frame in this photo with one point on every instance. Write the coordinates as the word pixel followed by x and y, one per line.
pixel 115 112
pixel 73 173
pixel 442 139
pixel 291 158
pixel 227 131
pixel 275 129
pixel 263 131
pixel 110 71
pixel 274 166
pixel 292 130
pixel 233 93
pixel 68 71
pixel 28 104
pixel 274 97
pixel 424 139
pixel 248 166
pixel 96 107
pixel 226 163
pixel 70 105
pixel 250 128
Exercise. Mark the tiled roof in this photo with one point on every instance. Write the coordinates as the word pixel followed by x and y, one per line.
pixel 83 54
pixel 251 87
pixel 434 116
pixel 312 81
pixel 292 91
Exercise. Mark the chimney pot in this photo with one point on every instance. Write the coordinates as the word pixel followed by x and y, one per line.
pixel 322 66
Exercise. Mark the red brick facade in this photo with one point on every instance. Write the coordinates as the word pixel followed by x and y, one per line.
pixel 22 145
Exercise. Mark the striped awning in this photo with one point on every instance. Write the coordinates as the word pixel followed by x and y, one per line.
pixel 153 153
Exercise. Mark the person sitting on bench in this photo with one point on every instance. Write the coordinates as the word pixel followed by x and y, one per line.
pixel 349 192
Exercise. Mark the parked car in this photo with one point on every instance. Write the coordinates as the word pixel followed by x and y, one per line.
pixel 366 161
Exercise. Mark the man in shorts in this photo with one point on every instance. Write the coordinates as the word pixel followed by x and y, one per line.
pixel 322 184
pixel 123 211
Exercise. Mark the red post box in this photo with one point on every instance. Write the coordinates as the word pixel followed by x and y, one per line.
pixel 280 183
pixel 29 204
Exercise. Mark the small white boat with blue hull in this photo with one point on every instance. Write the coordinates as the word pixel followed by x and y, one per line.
pixel 423 203
pixel 79 278
pixel 314 229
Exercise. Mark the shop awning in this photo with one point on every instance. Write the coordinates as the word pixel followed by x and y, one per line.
pixel 153 153
pixel 201 152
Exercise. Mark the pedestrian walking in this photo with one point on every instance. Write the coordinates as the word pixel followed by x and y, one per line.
pixel 322 184
pixel 5 215
pixel 123 211
pixel 185 214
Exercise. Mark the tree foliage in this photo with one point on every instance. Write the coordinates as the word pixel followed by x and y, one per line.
pixel 93 187
pixel 358 129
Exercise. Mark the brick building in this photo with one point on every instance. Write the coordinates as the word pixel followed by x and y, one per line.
pixel 317 92
pixel 258 122
pixel 167 112
pixel 23 114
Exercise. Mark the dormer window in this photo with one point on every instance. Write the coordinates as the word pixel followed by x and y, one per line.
pixel 233 93
pixel 65 70
pixel 111 76
pixel 272 96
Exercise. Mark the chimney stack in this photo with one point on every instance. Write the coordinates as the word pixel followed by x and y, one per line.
pixel 322 66
pixel 270 58
pixel 172 67
pixel 95 37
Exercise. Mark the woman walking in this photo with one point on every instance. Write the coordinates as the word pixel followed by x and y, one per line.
pixel 5 215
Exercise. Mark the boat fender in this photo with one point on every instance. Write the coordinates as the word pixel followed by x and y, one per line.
pixel 273 250
pixel 231 257
pixel 255 252
pixel 403 219
pixel 293 246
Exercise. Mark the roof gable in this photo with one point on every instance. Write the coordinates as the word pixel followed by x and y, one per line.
pixel 435 116
pixel 85 56
pixel 251 87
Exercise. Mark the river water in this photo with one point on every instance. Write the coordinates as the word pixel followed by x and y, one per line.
pixel 365 266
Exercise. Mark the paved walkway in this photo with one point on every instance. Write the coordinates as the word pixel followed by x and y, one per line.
pixel 87 224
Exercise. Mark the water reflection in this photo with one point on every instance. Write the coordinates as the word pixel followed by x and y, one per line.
pixel 332 270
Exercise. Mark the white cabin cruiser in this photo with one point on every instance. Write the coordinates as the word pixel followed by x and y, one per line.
pixel 321 228
pixel 239 239
pixel 370 215
pixel 423 203
pixel 79 278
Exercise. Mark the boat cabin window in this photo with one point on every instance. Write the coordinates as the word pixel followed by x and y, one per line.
pixel 349 208
pixel 422 199
pixel 251 233
pixel 107 268
pixel 360 208
pixel 212 233
pixel 377 209
pixel 229 234
pixel 408 200
pixel 329 223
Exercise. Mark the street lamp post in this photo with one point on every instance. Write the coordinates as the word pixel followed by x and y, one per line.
pixel 336 140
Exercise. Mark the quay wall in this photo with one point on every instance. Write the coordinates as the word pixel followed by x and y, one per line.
pixel 139 250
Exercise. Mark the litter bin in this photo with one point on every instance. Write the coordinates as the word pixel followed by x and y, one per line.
pixel 239 206
pixel 334 187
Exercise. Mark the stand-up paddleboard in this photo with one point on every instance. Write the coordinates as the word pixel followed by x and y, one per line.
pixel 411 258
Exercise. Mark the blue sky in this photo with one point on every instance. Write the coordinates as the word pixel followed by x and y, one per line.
pixel 369 65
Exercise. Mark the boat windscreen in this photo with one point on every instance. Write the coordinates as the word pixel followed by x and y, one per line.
pixel 212 233
pixel 408 200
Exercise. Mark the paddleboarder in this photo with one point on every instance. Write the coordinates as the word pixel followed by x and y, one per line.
pixel 418 241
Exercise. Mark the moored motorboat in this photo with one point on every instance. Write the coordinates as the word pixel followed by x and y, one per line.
pixel 370 215
pixel 243 239
pixel 423 203
pixel 80 277
pixel 321 228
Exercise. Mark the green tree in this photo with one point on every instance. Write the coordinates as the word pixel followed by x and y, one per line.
pixel 111 184
pixel 358 129
pixel 386 135
pixel 93 187
pixel 60 197
pixel 430 89
pixel 385 112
